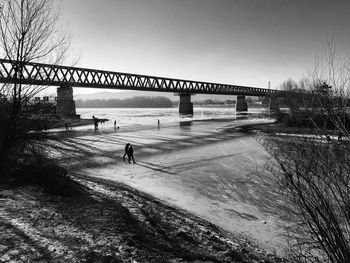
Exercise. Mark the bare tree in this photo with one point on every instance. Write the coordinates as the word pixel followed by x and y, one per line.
pixel 29 32
pixel 314 176
pixel 313 171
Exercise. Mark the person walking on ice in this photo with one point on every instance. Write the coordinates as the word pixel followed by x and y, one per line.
pixel 131 154
pixel 126 151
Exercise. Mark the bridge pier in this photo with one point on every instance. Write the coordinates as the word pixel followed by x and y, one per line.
pixel 65 103
pixel 185 104
pixel 241 103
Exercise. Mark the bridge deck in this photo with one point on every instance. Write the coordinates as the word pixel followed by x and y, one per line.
pixel 53 75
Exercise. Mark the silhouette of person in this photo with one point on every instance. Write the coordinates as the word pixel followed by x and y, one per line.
pixel 126 150
pixel 115 123
pixel 131 154
pixel 96 123
pixel 66 124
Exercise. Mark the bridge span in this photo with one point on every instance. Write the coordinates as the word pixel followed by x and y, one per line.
pixel 68 77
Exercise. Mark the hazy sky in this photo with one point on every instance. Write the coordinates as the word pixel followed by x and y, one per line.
pixel 243 42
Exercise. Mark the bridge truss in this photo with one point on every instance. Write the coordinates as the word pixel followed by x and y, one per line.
pixel 53 75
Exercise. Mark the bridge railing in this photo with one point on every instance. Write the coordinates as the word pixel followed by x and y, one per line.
pixel 53 75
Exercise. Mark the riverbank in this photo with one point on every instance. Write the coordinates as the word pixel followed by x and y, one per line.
pixel 114 223
pixel 157 210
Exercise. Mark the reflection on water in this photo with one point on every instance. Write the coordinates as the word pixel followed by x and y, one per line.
pixel 185 124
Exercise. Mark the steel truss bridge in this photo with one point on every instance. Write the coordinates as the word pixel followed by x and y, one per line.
pixel 53 75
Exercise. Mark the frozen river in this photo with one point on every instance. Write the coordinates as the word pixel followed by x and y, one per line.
pixel 199 166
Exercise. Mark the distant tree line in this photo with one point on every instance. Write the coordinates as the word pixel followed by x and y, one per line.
pixel 213 102
pixel 249 100
pixel 135 102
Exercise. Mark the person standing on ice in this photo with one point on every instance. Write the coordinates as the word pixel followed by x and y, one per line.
pixel 131 154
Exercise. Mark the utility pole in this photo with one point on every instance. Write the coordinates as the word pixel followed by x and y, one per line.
pixel 269 87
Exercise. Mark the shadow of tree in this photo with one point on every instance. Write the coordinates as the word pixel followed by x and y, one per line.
pixel 120 216
pixel 17 236
pixel 250 191
pixel 88 155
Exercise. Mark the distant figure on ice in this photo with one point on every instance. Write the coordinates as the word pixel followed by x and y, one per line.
pixel 95 123
pixel 158 123
pixel 328 138
pixel 126 150
pixel 67 127
pixel 131 154
pixel 115 123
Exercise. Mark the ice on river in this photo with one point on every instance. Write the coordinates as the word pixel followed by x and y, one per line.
pixel 198 166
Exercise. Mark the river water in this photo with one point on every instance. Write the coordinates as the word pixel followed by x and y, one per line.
pixel 149 116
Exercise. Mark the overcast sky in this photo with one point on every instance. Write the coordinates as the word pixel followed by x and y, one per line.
pixel 242 42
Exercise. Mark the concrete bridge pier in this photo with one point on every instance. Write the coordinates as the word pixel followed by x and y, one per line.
pixel 185 104
pixel 241 103
pixel 65 103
